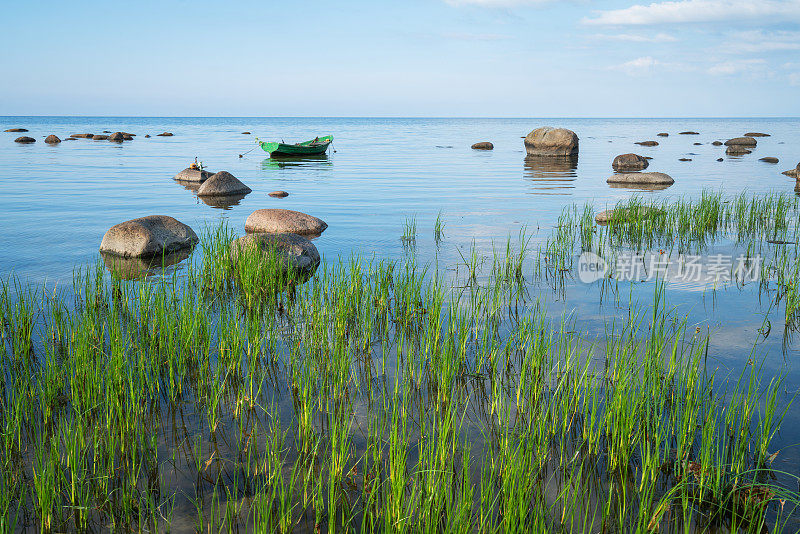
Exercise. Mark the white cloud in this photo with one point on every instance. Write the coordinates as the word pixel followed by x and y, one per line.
pixel 495 3
pixel 738 66
pixel 683 11
pixel 636 67
pixel 635 38
pixel 761 41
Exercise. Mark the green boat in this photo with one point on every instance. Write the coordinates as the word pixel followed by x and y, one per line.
pixel 314 147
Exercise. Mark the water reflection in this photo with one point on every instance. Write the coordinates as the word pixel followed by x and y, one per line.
pixel 224 202
pixel 139 268
pixel 639 187
pixel 320 161
pixel 551 176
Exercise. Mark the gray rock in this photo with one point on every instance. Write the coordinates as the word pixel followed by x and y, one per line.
pixel 483 145
pixel 17 130
pixel 769 159
pixel 222 184
pixel 794 173
pixel 558 142
pixel 619 214
pixel 279 221
pixel 192 175
pixel 647 143
pixel 52 139
pixel 279 194
pixel 641 178
pixel 741 141
pixel 295 252
pixel 148 236
pixel 756 134
pixel 24 139
pixel 629 162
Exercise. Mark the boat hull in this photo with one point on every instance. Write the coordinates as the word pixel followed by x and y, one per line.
pixel 309 148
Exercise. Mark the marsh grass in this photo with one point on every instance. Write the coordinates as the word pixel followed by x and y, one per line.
pixel 377 397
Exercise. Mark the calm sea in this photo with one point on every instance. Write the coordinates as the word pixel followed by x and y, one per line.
pixel 59 200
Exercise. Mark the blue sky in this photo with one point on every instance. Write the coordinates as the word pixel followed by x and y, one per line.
pixel 567 58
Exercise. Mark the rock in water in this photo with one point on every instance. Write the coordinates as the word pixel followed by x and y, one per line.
pixel 737 150
pixel 741 141
pixel 147 136
pixel 618 214
pixel 221 184
pixel 294 251
pixel 658 178
pixel 148 236
pixel 165 134
pixel 663 134
pixel 100 137
pixel 82 136
pixel 794 173
pixel 717 143
pixel 684 159
pixel 629 162
pixel 52 139
pixel 245 133
pixel 192 175
pixel 117 136
pixel 689 133
pixel 483 145
pixel 16 130
pixel 647 143
pixel 720 159
pixel 279 194
pixel 24 139
pixel 769 159
pixel 279 221
pixel 756 134
pixel 548 141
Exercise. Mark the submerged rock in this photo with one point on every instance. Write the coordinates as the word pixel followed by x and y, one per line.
pixel 100 137
pixel 192 175
pixel 684 159
pixel 618 214
pixel 245 133
pixel 24 139
pixel 137 268
pixel 629 162
pixel 82 136
pixel 717 143
pixel 546 141
pixel 720 159
pixel 147 135
pixel 294 251
pixel 222 183
pixel 52 139
pixel 737 150
pixel 17 130
pixel 642 178
pixel 769 159
pixel 756 134
pixel 148 236
pixel 663 134
pixel 483 145
pixel 741 141
pixel 279 194
pixel 165 134
pixel 689 133
pixel 647 143
pixel 279 221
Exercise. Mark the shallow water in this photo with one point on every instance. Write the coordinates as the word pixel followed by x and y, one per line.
pixel 61 199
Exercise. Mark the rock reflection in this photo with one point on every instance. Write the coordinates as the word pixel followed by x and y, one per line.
pixel 551 175
pixel 139 268
pixel 640 187
pixel 224 202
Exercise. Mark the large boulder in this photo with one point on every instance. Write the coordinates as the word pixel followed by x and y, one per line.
pixel 794 173
pixel 279 221
pixel 741 141
pixel 148 236
pixel 221 184
pixel 756 134
pixel 483 145
pixel 52 139
pixel 24 139
pixel 192 175
pixel 655 178
pixel 547 141
pixel 295 252
pixel 629 162
pixel 16 130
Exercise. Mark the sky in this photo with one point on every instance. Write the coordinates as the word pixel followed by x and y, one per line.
pixel 434 58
